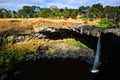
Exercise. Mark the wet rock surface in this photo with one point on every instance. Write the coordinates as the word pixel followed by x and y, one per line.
pixel 110 45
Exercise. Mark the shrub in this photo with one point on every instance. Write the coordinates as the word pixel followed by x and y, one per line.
pixel 9 56
pixel 106 23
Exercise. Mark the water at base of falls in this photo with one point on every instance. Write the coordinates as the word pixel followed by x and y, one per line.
pixel 94 71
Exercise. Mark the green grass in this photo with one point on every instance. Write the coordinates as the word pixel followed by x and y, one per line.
pixel 76 48
pixel 84 46
pixel 50 51
pixel 72 42
pixel 76 44
pixel 105 23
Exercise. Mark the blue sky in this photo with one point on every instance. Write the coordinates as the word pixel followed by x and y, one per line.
pixel 18 4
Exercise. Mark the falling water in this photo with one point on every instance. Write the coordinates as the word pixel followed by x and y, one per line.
pixel 96 65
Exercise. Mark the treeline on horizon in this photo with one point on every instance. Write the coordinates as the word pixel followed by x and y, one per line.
pixel 109 13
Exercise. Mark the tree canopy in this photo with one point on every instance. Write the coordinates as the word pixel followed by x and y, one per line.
pixel 95 11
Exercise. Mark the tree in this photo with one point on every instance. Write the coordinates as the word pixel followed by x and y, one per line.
pixel 81 9
pixel 28 11
pixel 44 12
pixel 3 13
pixel 66 13
pixel 54 11
pixel 84 11
pixel 73 13
pixel 96 10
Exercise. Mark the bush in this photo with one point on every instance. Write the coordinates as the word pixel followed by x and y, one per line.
pixel 106 23
pixel 10 56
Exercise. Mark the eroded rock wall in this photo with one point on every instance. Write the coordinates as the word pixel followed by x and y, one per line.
pixel 110 49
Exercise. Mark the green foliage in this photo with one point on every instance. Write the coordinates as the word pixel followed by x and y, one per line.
pixel 72 13
pixel 44 12
pixel 106 23
pixel 13 53
pixel 50 51
pixel 66 13
pixel 9 56
pixel 77 44
pixel 72 42
pixel 28 11
pixel 4 13
pixel 84 46
pixel 84 18
pixel 94 12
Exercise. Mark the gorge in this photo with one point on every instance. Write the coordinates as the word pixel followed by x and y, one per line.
pixel 56 66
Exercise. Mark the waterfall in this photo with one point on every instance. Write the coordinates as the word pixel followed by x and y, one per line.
pixel 81 30
pixel 96 64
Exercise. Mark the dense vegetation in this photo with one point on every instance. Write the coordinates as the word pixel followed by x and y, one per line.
pixel 109 15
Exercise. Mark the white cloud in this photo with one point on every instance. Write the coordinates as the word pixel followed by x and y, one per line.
pixel 109 2
pixel 74 2
pixel 59 5
pixel 17 4
pixel 38 0
pixel 69 3
pixel 91 2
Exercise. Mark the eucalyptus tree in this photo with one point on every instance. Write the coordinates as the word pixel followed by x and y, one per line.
pixel 66 12
pixel 73 13
pixel 3 13
pixel 44 12
pixel 84 10
pixel 28 11
pixel 81 9
pixel 96 10
pixel 54 11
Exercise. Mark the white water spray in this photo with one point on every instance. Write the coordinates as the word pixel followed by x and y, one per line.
pixel 96 65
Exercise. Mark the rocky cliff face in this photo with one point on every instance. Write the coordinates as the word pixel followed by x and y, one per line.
pixel 110 44
pixel 110 49
pixel 86 34
pixel 53 33
pixel 56 34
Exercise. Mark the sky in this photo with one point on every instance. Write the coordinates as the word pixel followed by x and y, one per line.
pixel 18 4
